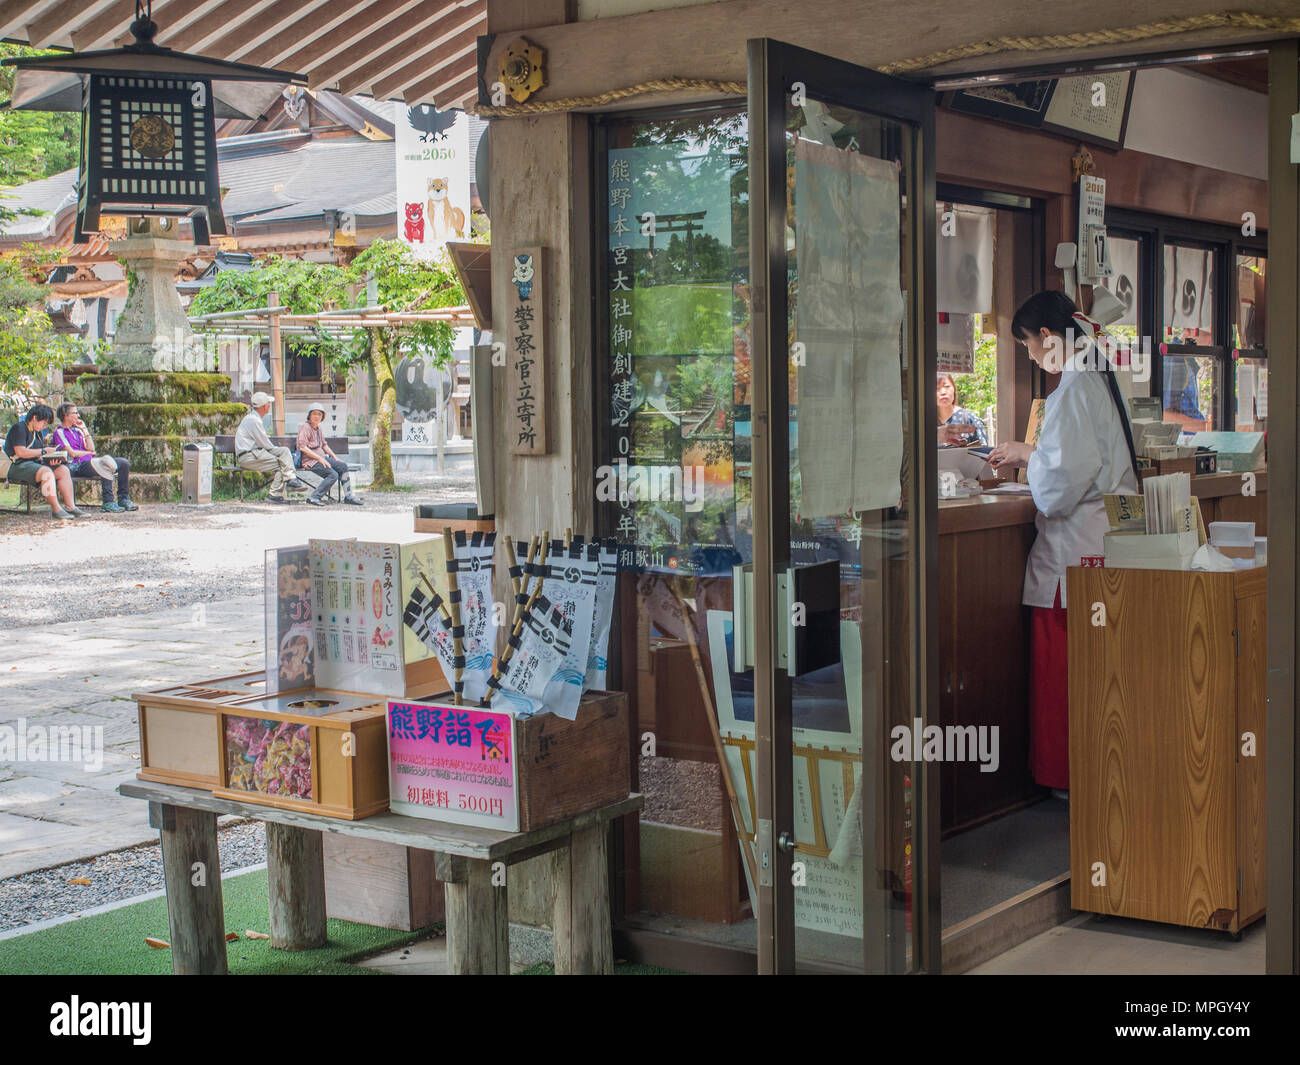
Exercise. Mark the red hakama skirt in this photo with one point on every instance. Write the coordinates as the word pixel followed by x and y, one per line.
pixel 1049 726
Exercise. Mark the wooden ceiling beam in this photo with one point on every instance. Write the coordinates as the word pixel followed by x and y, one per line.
pixel 438 85
pixel 457 94
pixel 394 44
pixel 178 16
pixel 304 57
pixel 243 37
pixel 285 40
pixel 431 63
pixel 199 34
pixel 57 23
pixel 422 49
pixel 17 14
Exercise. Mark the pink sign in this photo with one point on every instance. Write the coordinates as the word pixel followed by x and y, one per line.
pixel 452 763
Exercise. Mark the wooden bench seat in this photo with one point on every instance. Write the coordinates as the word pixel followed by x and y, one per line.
pixel 223 460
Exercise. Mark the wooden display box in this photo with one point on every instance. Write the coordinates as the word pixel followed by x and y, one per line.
pixel 566 768
pixel 231 738
pixel 1166 791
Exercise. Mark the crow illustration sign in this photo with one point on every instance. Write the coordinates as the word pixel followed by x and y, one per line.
pixel 433 178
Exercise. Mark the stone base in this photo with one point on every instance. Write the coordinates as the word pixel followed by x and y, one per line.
pixel 458 457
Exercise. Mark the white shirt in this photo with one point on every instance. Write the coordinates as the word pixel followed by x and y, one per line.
pixel 1081 456
pixel 251 434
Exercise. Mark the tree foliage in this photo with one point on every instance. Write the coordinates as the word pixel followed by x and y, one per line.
pixel 29 346
pixel 402 283
pixel 33 144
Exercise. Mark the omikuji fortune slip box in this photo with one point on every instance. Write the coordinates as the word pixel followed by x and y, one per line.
pixel 306 749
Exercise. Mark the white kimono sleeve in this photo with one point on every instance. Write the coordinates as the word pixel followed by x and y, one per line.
pixel 1067 459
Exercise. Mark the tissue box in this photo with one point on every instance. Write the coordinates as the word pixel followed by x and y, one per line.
pixel 1237 452
pixel 1129 550
pixel 1236 539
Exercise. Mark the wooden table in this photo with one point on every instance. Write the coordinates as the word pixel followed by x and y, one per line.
pixel 471 863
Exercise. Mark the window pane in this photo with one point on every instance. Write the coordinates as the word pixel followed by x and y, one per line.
pixel 1252 395
pixel 1191 384
pixel 1125 284
pixel 1189 295
pixel 1252 302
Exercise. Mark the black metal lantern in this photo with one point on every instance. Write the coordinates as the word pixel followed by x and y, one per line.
pixel 148 123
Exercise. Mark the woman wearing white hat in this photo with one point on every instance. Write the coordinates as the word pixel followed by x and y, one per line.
pixel 319 458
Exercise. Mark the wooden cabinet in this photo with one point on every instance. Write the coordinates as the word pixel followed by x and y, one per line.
pixel 984 653
pixel 1167 745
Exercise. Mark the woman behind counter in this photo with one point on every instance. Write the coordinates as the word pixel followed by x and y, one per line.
pixel 1085 451
pixel 956 423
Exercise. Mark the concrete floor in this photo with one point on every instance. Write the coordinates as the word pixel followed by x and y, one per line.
pixel 1090 945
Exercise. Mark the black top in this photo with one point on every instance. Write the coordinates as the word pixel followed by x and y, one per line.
pixel 20 436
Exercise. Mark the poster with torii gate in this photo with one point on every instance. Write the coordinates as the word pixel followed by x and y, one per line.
pixel 433 178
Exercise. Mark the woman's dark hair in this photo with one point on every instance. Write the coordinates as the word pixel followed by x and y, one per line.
pixel 956 396
pixel 40 412
pixel 1056 311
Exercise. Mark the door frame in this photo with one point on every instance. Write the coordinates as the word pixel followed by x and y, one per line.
pixel 773 67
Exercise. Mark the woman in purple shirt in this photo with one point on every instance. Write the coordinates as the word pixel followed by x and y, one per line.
pixel 72 435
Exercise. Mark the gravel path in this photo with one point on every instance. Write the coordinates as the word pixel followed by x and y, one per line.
pixel 47 893
pixel 165 554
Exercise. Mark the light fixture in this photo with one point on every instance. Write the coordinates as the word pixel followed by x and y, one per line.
pixel 148 123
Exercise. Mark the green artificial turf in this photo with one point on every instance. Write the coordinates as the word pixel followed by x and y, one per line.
pixel 621 968
pixel 113 943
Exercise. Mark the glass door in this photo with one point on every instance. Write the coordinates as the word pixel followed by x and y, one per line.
pixel 844 606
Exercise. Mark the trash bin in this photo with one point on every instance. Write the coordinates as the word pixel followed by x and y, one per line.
pixel 196 474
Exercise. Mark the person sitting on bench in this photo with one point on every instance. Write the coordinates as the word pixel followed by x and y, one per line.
pixel 319 458
pixel 72 435
pixel 34 463
pixel 254 451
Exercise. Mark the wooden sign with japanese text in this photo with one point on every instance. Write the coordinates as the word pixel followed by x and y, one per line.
pixel 525 338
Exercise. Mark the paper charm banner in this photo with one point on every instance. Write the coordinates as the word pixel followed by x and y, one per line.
pixel 1123 282
pixel 964 261
pixel 598 652
pixel 539 653
pixel 1189 288
pixel 570 583
pixel 956 343
pixel 474 580
pixel 433 201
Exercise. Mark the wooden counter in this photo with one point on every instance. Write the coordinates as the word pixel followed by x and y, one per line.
pixel 984 650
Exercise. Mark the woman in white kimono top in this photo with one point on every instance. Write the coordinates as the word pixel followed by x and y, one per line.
pixel 1085 451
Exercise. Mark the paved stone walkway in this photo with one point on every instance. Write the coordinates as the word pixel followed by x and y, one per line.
pixel 82 674
pixel 206 567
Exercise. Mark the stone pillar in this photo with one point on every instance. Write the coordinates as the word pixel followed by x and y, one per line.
pixel 152 332
pixel 156 388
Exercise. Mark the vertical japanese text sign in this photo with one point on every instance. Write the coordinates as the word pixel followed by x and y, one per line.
pixel 525 336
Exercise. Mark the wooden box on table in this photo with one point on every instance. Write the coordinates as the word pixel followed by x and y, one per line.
pixel 306 749
pixel 564 768
pixel 1167 744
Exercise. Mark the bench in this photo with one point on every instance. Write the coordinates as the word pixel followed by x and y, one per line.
pixel 465 861
pixel 223 457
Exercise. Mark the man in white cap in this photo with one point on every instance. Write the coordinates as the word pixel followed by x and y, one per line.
pixel 254 451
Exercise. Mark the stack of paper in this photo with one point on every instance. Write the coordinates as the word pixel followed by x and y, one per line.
pixel 1159 529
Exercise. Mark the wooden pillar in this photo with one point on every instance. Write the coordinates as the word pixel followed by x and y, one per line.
pixel 478 921
pixel 583 942
pixel 277 365
pixel 295 875
pixel 192 873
